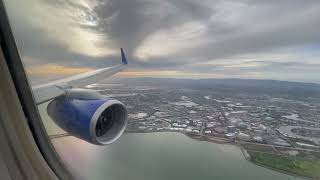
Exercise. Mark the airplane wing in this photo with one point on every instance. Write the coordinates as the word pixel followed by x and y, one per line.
pixel 49 91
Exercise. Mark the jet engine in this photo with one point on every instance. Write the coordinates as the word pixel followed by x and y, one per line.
pixel 88 115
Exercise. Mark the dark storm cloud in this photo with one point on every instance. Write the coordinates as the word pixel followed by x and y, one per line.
pixel 168 35
pixel 296 34
pixel 129 22
pixel 295 27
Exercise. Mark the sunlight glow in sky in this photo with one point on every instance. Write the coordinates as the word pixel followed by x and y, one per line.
pixel 170 38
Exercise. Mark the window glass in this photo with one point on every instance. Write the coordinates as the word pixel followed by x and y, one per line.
pixel 213 89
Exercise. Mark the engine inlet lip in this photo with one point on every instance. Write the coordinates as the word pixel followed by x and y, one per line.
pixel 95 118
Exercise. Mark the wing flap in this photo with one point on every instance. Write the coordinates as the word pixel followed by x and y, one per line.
pixel 44 94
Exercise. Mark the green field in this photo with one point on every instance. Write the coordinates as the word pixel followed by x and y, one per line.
pixel 292 165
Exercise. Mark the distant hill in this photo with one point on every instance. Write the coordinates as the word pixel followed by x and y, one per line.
pixel 274 87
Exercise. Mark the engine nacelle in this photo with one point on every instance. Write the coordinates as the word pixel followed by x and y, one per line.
pixel 90 116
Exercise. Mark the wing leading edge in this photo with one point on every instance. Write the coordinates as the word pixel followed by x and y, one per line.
pixel 46 92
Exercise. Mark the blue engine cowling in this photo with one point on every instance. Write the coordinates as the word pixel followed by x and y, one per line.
pixel 89 116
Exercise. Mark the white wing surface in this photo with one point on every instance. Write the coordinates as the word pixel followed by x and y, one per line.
pixel 46 92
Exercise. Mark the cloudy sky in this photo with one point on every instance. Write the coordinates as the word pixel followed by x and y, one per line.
pixel 274 39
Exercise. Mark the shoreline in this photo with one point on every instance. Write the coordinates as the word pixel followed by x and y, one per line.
pixel 248 158
pixel 220 140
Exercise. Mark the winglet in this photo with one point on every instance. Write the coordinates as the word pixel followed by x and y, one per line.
pixel 123 57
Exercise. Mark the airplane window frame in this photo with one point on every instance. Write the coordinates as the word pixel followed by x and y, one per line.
pixel 24 91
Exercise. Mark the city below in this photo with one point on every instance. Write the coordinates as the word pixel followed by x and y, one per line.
pixel 277 121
